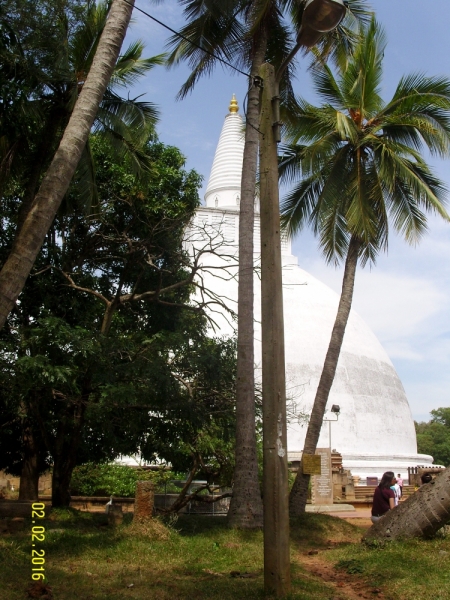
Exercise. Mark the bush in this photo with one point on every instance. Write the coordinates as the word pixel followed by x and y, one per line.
pixel 112 479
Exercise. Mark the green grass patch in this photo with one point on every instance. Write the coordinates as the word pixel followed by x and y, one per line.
pixel 410 570
pixel 195 557
pixel 199 557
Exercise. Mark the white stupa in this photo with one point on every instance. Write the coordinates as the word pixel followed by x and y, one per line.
pixel 375 430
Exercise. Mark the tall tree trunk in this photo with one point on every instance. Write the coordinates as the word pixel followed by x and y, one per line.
pixel 57 179
pixel 299 492
pixel 246 509
pixel 420 515
pixel 65 455
pixel 29 476
pixel 39 161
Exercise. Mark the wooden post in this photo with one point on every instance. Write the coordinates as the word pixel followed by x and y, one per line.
pixel 275 476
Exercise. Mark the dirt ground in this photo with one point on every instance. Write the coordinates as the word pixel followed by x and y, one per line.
pixel 346 586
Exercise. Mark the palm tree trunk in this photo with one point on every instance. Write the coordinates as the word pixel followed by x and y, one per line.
pixel 299 492
pixel 420 515
pixel 39 161
pixel 57 179
pixel 246 509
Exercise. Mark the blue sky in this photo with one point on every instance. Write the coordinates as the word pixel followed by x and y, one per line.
pixel 405 298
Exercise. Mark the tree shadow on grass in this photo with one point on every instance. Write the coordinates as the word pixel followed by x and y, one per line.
pixel 314 530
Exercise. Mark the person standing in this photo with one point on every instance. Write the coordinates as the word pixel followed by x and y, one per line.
pixel 396 489
pixel 383 497
pixel 400 484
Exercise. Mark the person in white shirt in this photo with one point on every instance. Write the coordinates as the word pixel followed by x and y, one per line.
pixel 397 491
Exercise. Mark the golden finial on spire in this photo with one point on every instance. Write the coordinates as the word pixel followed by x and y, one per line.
pixel 233 108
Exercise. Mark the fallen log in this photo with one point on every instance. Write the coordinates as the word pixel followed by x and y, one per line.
pixel 420 515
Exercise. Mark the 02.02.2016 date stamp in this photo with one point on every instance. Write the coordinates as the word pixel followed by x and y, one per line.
pixel 37 535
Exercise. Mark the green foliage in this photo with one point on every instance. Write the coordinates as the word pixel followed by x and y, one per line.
pixel 357 162
pixel 231 30
pixel 111 479
pixel 434 437
pixel 442 416
pixel 105 353
pixel 352 566
pixel 46 50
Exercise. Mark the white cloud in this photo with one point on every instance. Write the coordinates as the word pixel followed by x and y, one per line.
pixel 396 305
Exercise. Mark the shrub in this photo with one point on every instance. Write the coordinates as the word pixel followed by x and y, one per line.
pixel 112 479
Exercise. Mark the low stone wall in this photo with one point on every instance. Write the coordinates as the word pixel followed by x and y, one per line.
pixel 14 508
pixel 164 501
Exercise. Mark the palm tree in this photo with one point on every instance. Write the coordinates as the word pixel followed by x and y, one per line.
pixel 237 31
pixel 246 33
pixel 361 171
pixel 62 168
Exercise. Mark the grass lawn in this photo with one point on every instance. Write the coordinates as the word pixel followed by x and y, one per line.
pixel 413 570
pixel 199 558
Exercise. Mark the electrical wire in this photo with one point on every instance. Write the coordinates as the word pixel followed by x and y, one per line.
pixel 180 35
pixel 244 108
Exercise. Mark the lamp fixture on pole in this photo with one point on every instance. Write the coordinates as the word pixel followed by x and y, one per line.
pixel 336 410
pixel 319 17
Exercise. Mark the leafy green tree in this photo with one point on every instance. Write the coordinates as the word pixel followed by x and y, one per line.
pixel 434 437
pixel 56 181
pixel 103 328
pixel 358 170
pixel 46 60
pixel 247 33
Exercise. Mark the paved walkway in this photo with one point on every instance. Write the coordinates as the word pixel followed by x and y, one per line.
pixel 363 513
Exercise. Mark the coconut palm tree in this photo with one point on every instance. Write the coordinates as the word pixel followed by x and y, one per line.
pixel 358 170
pixel 245 33
pixel 62 168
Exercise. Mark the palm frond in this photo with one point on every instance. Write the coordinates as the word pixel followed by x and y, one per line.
pixel 84 42
pixel 298 207
pixel 84 185
pixel 130 67
pixel 212 32
pixel 421 103
pixel 327 87
pixel 135 114
pixel 409 184
pixel 332 206
pixel 339 45
pixel 360 82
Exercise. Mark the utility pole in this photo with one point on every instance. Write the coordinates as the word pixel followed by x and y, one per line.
pixel 277 578
pixel 319 16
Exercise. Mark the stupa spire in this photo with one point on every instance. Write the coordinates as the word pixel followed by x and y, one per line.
pixel 234 107
pixel 224 185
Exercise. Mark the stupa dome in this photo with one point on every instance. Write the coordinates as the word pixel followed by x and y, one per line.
pixel 375 430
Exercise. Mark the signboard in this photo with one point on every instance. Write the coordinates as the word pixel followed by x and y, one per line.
pixel 322 485
pixel 311 464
